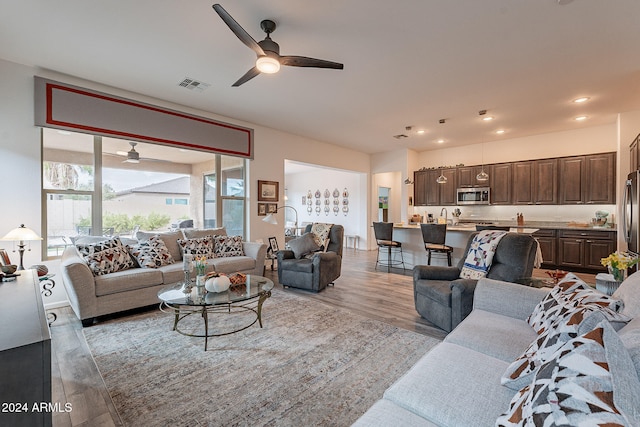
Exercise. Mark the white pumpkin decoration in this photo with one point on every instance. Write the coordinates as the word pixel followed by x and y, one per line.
pixel 217 284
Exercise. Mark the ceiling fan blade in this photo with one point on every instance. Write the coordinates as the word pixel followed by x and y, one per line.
pixel 238 30
pixel 303 61
pixel 247 76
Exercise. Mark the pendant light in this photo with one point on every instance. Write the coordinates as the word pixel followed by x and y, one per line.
pixel 441 179
pixel 482 176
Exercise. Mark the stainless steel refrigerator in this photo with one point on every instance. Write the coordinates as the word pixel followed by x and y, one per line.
pixel 631 211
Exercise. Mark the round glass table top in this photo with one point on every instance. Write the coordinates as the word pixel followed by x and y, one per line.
pixel 254 287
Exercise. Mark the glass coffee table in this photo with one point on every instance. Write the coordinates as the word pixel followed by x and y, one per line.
pixel 243 298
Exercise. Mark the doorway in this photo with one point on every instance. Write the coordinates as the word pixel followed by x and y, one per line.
pixel 383 203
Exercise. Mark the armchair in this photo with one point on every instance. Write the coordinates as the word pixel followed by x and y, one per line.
pixel 316 272
pixel 444 299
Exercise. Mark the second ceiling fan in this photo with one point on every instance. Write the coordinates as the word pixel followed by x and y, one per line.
pixel 269 59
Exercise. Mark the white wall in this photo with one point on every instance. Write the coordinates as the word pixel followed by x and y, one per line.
pixel 354 223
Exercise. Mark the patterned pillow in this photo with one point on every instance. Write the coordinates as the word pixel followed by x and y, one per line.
pixel 320 232
pixel 589 381
pixel 152 253
pixel 201 246
pixel 86 249
pixel 569 292
pixel 227 246
pixel 109 260
pixel 569 324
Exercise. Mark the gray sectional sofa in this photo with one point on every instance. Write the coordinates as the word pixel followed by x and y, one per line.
pixel 458 382
pixel 92 295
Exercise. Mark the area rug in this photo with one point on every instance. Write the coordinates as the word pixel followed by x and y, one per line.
pixel 310 365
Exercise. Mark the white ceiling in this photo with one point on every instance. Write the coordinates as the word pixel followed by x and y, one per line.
pixel 406 63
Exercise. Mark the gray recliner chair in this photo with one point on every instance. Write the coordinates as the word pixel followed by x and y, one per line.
pixel 316 272
pixel 444 299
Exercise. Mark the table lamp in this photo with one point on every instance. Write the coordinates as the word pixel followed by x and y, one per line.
pixel 21 235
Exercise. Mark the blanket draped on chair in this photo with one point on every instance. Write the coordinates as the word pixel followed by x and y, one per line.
pixel 480 255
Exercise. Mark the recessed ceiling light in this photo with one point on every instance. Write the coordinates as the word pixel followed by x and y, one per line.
pixel 580 118
pixel 420 132
pixel 500 131
pixel 440 141
pixel 581 100
pixel 488 118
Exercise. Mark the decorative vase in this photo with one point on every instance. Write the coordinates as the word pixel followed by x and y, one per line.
pixel 618 274
pixel 217 284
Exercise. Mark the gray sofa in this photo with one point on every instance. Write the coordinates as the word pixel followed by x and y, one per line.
pixel 458 382
pixel 91 296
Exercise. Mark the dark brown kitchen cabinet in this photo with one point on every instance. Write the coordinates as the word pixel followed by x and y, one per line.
pixel 583 249
pixel 535 182
pixel 587 179
pixel 500 176
pixel 427 192
pixel 466 176
pixel 548 243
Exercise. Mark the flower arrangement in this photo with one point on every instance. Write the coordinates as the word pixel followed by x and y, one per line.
pixel 201 265
pixel 618 263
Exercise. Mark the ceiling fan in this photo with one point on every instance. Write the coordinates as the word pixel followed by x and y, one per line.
pixel 133 156
pixel 269 58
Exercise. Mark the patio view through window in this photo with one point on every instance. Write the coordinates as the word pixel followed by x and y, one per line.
pixel 94 185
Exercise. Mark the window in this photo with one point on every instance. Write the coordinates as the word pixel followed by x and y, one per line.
pixel 92 187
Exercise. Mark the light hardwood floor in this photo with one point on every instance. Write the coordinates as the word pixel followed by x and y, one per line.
pixel 387 297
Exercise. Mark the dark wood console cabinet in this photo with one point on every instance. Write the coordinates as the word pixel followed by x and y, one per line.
pixel 583 249
pixel 25 353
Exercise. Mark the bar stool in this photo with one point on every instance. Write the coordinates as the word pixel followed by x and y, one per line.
pixel 434 236
pixel 384 238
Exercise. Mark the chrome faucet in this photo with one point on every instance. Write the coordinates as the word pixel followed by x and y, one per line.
pixel 446 214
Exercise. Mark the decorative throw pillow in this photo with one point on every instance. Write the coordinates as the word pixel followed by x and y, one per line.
pixel 589 381
pixel 320 232
pixel 86 249
pixel 227 246
pixel 109 260
pixel 152 253
pixel 201 246
pixel 170 239
pixel 303 245
pixel 480 255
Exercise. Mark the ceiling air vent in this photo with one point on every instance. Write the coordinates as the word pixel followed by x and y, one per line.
pixel 193 84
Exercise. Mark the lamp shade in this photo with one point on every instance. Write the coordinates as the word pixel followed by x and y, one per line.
pixel 21 233
pixel 267 64
pixel 271 219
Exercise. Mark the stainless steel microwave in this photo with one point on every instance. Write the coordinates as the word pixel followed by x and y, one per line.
pixel 473 196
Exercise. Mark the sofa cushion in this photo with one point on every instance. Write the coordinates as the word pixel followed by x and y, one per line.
pixel 201 246
pixel 301 266
pixel 233 264
pixel 493 334
pixel 128 280
pixel 227 246
pixel 152 253
pixel 587 382
pixel 629 293
pixel 303 245
pixel 630 336
pixel 385 413
pixel 109 260
pixel 170 239
pixel 172 273
pixel 194 233
pixel 575 321
pixel 453 385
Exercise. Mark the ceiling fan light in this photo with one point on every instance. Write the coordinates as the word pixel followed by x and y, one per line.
pixel 268 65
pixel 131 161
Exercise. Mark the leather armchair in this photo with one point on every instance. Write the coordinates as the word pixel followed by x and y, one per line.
pixel 444 299
pixel 316 272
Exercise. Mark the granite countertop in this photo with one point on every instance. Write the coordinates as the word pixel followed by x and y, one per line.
pixel 469 225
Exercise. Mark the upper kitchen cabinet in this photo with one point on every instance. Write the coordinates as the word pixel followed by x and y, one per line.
pixel 500 176
pixel 466 176
pixel 535 182
pixel 427 192
pixel 588 179
pixel 634 154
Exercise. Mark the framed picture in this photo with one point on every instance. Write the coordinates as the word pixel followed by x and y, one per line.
pixel 262 209
pixel 271 207
pixel 273 245
pixel 4 257
pixel 268 191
